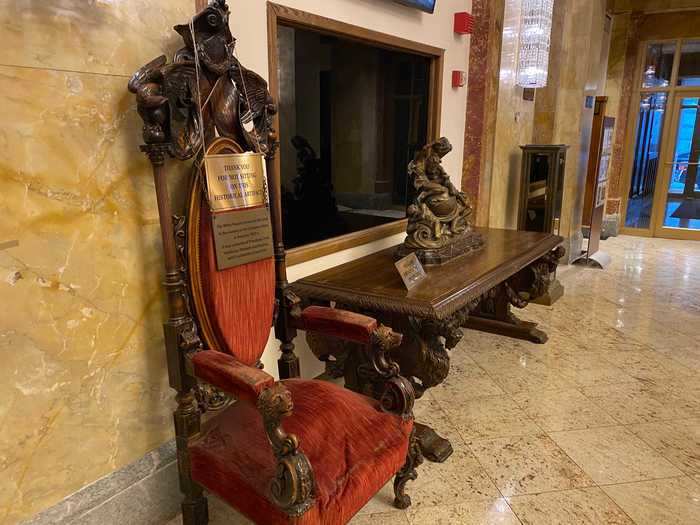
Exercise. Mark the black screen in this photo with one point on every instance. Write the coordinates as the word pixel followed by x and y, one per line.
pixel 424 5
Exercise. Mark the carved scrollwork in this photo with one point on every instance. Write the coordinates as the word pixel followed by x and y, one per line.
pixel 292 303
pixel 513 296
pixel 382 374
pixel 240 106
pixel 293 486
pixel 398 397
pixel 533 281
pixel 210 398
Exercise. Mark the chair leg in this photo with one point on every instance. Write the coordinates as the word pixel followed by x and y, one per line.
pixel 407 473
pixel 195 510
pixel 194 507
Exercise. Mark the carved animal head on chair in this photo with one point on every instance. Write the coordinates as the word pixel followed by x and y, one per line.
pixel 276 402
pixel 385 338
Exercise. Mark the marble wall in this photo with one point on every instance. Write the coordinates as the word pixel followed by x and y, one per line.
pixel 83 383
pixel 559 114
pixel 514 125
pixel 482 103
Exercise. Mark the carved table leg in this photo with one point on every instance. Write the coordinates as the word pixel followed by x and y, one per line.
pixel 514 328
pixel 434 447
pixel 493 312
pixel 493 315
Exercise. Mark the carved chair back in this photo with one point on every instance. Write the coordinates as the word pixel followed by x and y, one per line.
pixel 234 306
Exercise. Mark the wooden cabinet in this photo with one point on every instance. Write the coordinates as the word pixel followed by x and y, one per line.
pixel 541 187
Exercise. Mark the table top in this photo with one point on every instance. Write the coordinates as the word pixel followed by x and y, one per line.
pixel 372 282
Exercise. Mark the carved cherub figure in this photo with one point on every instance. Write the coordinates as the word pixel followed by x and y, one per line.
pixel 204 75
pixel 440 213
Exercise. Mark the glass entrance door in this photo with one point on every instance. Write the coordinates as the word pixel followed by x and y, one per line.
pixel 679 206
pixel 663 144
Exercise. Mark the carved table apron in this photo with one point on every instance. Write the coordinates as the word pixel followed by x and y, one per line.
pixel 475 291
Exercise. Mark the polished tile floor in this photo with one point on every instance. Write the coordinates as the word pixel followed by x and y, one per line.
pixel 601 425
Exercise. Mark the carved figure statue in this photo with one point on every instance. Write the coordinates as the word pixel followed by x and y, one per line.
pixel 439 226
pixel 234 100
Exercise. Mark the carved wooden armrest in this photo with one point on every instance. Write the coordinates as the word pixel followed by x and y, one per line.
pixel 230 375
pixel 395 393
pixel 292 486
pixel 335 322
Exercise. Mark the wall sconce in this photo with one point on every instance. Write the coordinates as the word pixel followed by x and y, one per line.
pixel 459 78
pixel 533 47
pixel 464 23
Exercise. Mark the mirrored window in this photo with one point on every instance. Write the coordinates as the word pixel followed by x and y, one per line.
pixel 689 66
pixel 352 116
pixel 658 64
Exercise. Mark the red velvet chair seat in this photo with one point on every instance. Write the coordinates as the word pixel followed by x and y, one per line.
pixel 353 448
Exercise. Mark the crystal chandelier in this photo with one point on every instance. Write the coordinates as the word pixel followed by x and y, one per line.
pixel 533 48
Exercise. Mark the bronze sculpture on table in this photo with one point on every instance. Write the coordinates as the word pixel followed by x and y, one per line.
pixel 439 219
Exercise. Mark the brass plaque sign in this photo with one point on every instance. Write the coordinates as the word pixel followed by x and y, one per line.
pixel 235 181
pixel 411 270
pixel 242 236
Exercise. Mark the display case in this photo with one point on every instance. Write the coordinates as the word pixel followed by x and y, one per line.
pixel 541 187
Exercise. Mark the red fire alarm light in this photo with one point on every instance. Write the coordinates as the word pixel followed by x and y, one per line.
pixel 464 23
pixel 459 78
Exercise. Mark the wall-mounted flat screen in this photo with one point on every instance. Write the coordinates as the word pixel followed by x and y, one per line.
pixel 424 5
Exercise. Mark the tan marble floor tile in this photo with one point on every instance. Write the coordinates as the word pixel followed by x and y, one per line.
pixel 532 379
pixel 589 506
pixel 483 512
pixel 677 441
pixel 460 478
pixel 613 455
pixel 429 412
pixel 466 380
pixel 674 501
pixel 391 518
pixel 528 465
pixel 599 375
pixel 555 410
pixel 637 402
pixel 503 355
pixel 488 417
pixel 649 365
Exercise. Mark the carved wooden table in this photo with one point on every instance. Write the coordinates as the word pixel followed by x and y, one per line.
pixel 475 291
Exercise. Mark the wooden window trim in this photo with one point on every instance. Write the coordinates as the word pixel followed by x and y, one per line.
pixel 279 14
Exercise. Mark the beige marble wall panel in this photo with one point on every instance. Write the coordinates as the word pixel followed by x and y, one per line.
pixel 616 64
pixel 83 382
pixel 99 36
pixel 514 125
pixel 584 25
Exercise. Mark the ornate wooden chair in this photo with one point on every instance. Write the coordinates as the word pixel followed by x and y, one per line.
pixel 290 451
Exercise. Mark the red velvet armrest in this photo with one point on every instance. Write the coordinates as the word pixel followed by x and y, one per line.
pixel 230 375
pixel 338 323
